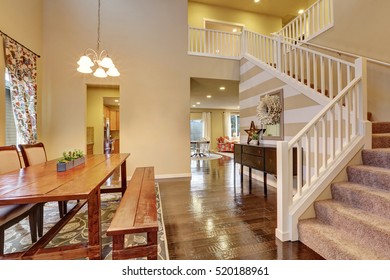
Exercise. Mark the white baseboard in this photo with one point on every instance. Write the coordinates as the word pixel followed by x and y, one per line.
pixel 173 176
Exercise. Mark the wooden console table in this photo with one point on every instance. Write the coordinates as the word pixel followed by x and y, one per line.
pixel 259 157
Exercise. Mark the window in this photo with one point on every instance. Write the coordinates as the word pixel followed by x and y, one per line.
pixel 196 129
pixel 10 128
pixel 235 125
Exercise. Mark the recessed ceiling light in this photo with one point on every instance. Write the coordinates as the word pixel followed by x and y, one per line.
pixel 198 103
pixel 257 1
pixel 300 11
pixel 194 105
pixel 116 100
pixel 222 88
pixel 208 96
pixel 234 29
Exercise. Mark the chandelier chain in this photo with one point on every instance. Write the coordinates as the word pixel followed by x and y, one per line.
pixel 98 30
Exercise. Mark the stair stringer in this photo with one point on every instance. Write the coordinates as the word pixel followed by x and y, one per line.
pixel 301 87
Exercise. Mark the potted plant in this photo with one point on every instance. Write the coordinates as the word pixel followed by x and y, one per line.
pixel 65 163
pixel 78 157
pixel 70 160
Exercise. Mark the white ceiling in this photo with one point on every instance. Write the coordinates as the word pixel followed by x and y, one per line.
pixel 220 99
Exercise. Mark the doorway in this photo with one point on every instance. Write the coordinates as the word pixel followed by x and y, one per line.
pixel 103 119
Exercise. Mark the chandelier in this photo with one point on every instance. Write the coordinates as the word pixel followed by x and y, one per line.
pixel 97 59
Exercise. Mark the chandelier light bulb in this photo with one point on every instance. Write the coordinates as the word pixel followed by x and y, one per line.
pixel 113 72
pixel 85 61
pixel 107 62
pixel 100 73
pixel 84 69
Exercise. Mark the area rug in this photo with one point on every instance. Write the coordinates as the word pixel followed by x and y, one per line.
pixel 207 157
pixel 17 238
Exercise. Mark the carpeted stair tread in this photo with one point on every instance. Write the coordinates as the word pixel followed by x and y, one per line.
pixel 377 157
pixel 371 176
pixel 334 244
pixel 372 230
pixel 380 140
pixel 380 127
pixel 375 200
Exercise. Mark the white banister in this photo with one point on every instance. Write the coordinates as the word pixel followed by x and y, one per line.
pixel 321 145
pixel 312 22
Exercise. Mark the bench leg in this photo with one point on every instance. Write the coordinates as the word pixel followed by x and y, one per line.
pixel 118 243
pixel 152 241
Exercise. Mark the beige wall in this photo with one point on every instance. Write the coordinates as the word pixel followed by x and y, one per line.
pixel 149 49
pixel 263 24
pixel 21 20
pixel 95 115
pixel 360 28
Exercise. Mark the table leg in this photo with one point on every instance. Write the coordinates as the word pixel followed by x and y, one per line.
pixel 265 183
pixel 123 177
pixel 250 180
pixel 94 226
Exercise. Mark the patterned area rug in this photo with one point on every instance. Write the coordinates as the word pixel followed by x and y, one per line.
pixel 18 238
pixel 207 157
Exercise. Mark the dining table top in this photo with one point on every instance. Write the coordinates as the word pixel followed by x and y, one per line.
pixel 42 183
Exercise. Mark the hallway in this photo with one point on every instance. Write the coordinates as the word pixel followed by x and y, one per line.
pixel 205 219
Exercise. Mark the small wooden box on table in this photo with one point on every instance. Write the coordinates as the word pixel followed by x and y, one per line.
pixel 136 213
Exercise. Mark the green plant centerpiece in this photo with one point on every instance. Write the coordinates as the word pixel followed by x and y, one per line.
pixel 70 159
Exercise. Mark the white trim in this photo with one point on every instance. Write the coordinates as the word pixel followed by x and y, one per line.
pixel 173 176
pixel 222 22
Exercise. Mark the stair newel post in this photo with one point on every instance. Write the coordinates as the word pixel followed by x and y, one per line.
pixel 279 53
pixel 361 71
pixel 284 191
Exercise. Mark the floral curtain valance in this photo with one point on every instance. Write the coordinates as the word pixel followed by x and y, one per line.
pixel 22 68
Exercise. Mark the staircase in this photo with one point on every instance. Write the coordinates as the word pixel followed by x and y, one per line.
pixel 380 135
pixel 355 224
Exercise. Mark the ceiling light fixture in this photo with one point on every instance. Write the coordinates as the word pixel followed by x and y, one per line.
pixel 208 96
pixel 257 1
pixel 222 88
pixel 197 103
pixel 300 11
pixel 91 58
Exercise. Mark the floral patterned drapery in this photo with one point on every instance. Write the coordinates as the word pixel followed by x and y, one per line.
pixel 22 68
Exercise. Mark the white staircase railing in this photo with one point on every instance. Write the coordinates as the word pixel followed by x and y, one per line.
pixel 312 22
pixel 207 42
pixel 316 150
pixel 323 73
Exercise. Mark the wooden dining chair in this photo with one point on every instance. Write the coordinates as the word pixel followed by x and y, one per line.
pixel 35 154
pixel 13 214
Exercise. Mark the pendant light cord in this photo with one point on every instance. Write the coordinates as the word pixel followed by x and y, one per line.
pixel 98 30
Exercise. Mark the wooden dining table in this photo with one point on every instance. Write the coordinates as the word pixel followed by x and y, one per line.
pixel 42 183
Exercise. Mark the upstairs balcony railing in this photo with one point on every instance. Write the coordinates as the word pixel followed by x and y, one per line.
pixel 214 43
pixel 312 22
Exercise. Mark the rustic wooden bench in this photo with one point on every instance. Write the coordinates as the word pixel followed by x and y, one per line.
pixel 136 213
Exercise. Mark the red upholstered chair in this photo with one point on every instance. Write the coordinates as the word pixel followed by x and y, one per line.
pixel 224 144
pixel 13 214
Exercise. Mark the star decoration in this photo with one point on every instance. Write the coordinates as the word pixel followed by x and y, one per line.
pixel 252 130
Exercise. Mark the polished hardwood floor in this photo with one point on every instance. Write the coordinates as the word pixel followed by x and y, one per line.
pixel 207 219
